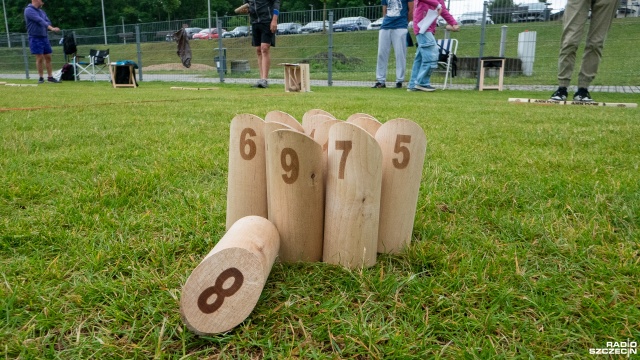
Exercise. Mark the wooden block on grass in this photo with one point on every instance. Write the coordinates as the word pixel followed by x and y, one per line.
pixel 577 103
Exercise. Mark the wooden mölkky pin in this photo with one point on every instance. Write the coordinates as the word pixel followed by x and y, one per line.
pixel 224 288
pixel 352 202
pixel 296 194
pixel 247 183
pixel 283 117
pixel 403 144
pixel 365 121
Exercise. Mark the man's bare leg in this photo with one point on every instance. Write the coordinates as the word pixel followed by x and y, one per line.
pixel 266 61
pixel 259 53
pixel 47 61
pixel 40 64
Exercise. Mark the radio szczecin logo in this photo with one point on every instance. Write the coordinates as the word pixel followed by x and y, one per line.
pixel 617 348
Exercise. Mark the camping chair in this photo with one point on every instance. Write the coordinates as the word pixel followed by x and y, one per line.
pixel 447 49
pixel 98 64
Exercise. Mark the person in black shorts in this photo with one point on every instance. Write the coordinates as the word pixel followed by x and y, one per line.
pixel 264 23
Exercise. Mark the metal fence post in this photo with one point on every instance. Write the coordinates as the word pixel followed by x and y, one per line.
pixel 139 50
pixel 330 52
pixel 480 55
pixel 503 40
pixel 222 53
pixel 25 56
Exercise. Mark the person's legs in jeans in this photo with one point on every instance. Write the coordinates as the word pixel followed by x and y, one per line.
pixel 428 60
pixel 415 69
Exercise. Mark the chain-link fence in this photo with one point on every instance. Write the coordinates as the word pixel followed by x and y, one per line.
pixel 341 50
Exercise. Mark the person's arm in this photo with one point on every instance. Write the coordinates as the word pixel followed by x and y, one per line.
pixel 274 18
pixel 49 26
pixel 410 12
pixel 451 21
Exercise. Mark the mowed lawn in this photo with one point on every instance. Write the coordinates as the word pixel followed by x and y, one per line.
pixel 525 243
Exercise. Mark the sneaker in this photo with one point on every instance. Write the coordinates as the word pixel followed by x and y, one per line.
pixel 258 84
pixel 582 95
pixel 560 94
pixel 41 81
pixel 264 84
pixel 52 80
pixel 379 85
pixel 399 85
pixel 427 88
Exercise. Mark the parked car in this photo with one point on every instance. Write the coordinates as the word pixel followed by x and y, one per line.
pixel 289 28
pixel 530 12
pixel 351 24
pixel 207 34
pixel 375 25
pixel 314 27
pixel 190 32
pixel 473 18
pixel 238 31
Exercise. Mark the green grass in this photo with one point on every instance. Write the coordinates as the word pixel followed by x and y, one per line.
pixel 618 66
pixel 525 243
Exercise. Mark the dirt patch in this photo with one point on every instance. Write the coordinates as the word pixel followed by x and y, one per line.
pixel 178 66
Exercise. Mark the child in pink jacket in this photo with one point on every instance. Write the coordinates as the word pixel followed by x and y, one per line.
pixel 427 52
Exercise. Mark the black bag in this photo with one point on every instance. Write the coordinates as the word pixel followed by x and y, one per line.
pixel 123 75
pixel 443 56
pixel 69 44
pixel 67 72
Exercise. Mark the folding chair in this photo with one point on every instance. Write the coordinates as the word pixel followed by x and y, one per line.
pixel 447 49
pixel 98 64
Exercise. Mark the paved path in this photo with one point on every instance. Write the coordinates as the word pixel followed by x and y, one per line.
pixel 363 84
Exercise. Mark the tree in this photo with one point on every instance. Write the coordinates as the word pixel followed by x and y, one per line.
pixel 501 10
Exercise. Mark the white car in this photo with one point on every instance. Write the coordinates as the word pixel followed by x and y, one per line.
pixel 473 18
pixel 375 25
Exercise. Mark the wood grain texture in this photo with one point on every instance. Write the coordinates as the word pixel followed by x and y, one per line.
pixel 270 127
pixel 367 122
pixel 310 123
pixel 224 288
pixel 321 136
pixel 403 144
pixel 247 184
pixel 283 117
pixel 296 194
pixel 352 203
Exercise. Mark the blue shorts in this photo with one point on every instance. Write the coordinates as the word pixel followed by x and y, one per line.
pixel 40 46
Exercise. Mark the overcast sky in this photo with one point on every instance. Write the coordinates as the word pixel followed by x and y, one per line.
pixel 458 7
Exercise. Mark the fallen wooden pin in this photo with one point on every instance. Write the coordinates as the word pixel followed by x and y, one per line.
pixel 223 289
pixel 579 103
pixel 192 88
